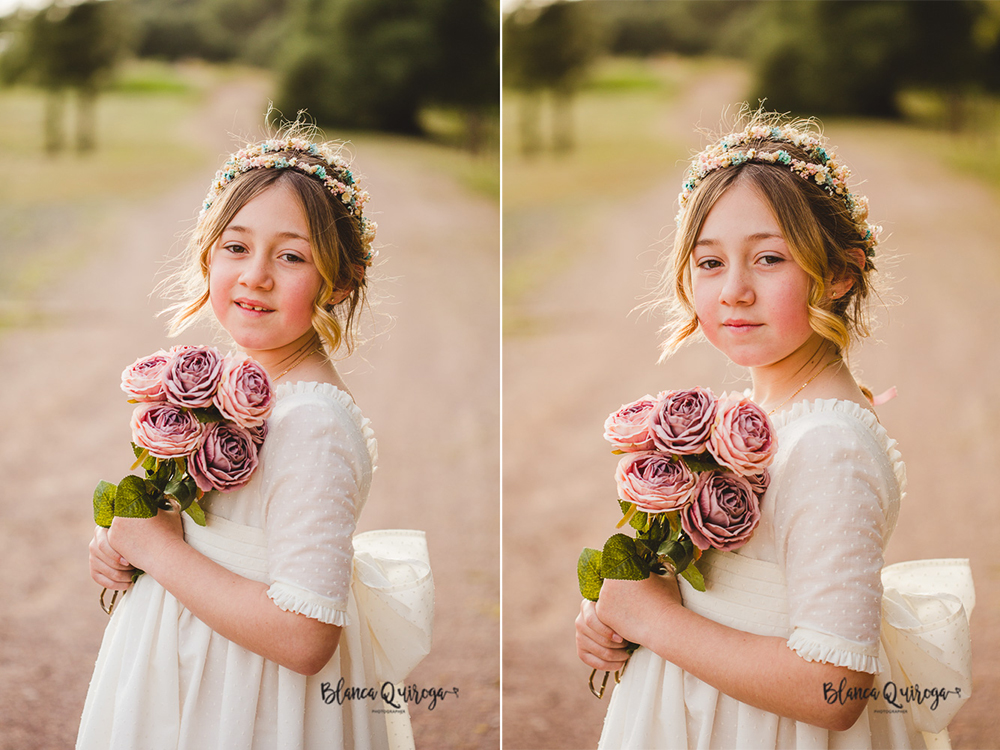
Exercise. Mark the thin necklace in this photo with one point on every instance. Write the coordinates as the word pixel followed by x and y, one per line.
pixel 302 355
pixel 802 387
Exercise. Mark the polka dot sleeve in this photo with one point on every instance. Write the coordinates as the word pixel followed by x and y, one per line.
pixel 830 527
pixel 311 495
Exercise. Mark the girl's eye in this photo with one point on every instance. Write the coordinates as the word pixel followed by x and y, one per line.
pixel 236 248
pixel 292 258
pixel 709 264
pixel 772 260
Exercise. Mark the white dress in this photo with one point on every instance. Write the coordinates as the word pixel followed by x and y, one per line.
pixel 165 681
pixel 813 574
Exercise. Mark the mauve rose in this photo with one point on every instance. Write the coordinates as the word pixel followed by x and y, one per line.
pixel 724 513
pixel 628 428
pixel 258 433
pixel 226 459
pixel 165 430
pixel 682 420
pixel 143 379
pixel 742 438
pixel 653 482
pixel 245 394
pixel 192 376
pixel 759 482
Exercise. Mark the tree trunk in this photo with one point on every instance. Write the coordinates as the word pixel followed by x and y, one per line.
pixel 530 114
pixel 55 106
pixel 86 131
pixel 562 120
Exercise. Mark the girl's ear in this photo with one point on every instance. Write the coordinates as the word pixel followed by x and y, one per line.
pixel 338 296
pixel 840 287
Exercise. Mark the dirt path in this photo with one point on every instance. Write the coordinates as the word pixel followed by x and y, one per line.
pixel 430 386
pixel 586 356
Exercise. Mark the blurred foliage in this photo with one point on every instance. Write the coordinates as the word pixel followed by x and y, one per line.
pixel 67 47
pixel 825 56
pixel 376 63
pixel 366 64
pixel 549 48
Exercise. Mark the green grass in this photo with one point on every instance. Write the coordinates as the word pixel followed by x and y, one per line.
pixel 621 149
pixel 55 209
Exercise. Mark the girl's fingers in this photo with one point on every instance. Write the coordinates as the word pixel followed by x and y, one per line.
pixel 588 619
pixel 100 547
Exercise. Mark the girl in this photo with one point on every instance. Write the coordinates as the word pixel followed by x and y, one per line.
pixel 260 629
pixel 796 642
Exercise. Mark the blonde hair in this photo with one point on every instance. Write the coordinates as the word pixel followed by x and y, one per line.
pixel 334 236
pixel 821 234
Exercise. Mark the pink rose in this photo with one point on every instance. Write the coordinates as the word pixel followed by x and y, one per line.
pixel 682 421
pixel 192 376
pixel 653 482
pixel 143 379
pixel 628 428
pixel 724 513
pixel 245 394
pixel 742 438
pixel 225 460
pixel 165 430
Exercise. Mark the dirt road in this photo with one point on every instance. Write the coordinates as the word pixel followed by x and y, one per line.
pixel 583 356
pixel 430 385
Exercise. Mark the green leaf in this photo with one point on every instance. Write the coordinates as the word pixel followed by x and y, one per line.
pixel 639 520
pixel 104 503
pixel 621 560
pixel 184 491
pixel 692 575
pixel 207 416
pixel 701 462
pixel 198 515
pixel 132 501
pixel 588 571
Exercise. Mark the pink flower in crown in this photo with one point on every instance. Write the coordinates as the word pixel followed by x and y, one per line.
pixel 143 379
pixel 724 513
pixel 245 394
pixel 628 429
pixel 192 376
pixel 654 482
pixel 165 430
pixel 682 421
pixel 742 437
pixel 226 459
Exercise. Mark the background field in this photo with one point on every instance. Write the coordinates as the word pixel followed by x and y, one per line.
pixel 82 240
pixel 582 234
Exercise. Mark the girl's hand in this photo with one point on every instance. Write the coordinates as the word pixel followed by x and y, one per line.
pixel 107 567
pixel 597 645
pixel 634 609
pixel 143 541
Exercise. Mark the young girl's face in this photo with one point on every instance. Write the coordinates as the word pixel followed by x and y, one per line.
pixel 263 282
pixel 750 296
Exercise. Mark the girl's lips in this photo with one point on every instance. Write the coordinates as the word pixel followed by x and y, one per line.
pixel 251 306
pixel 741 325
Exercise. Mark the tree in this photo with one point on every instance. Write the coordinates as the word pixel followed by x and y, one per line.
pixel 548 48
pixel 850 57
pixel 65 48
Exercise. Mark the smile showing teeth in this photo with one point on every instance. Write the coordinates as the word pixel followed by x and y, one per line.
pixel 253 307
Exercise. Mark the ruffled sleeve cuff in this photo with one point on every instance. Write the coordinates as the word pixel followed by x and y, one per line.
pixel 813 645
pixel 291 598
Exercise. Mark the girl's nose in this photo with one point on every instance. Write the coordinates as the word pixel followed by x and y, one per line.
pixel 256 273
pixel 737 289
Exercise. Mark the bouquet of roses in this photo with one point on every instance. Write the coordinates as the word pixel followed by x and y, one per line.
pixel 199 422
pixel 692 473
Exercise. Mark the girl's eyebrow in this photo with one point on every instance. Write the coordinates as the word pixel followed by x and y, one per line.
pixel 755 237
pixel 285 235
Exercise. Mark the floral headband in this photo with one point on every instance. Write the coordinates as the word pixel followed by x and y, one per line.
pixel 336 177
pixel 824 171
